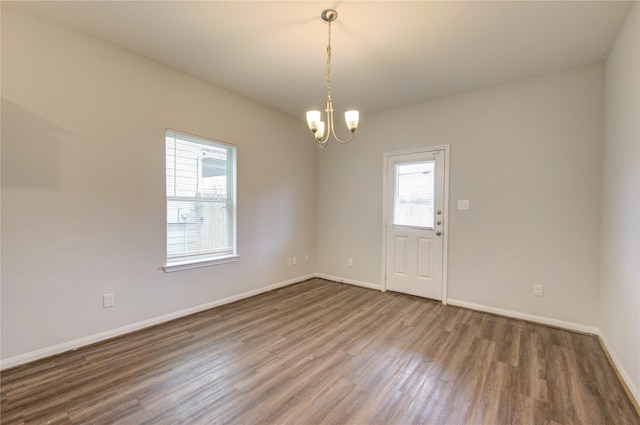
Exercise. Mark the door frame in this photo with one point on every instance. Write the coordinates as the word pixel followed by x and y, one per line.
pixel 385 212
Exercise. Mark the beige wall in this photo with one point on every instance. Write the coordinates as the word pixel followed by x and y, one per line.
pixel 83 187
pixel 528 157
pixel 620 281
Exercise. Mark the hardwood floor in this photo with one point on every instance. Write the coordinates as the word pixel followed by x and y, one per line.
pixel 321 352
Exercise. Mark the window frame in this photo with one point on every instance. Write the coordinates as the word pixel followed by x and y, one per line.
pixel 208 257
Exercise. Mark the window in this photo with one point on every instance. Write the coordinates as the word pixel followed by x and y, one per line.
pixel 414 194
pixel 201 201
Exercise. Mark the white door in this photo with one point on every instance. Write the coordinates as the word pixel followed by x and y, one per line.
pixel 415 222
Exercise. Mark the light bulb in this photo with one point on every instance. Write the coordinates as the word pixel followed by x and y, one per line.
pixel 352 118
pixel 320 132
pixel 313 120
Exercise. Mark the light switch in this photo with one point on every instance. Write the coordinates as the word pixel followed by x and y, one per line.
pixel 463 204
pixel 108 300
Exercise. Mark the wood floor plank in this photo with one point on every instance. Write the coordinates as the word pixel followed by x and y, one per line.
pixel 321 352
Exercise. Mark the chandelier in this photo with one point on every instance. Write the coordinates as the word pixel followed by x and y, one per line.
pixel 316 125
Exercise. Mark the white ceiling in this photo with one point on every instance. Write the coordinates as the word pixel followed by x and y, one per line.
pixel 385 54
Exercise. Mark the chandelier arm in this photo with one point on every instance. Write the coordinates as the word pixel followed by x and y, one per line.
pixel 332 128
pixel 338 139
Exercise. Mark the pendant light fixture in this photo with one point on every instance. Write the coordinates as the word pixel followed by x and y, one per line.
pixel 314 120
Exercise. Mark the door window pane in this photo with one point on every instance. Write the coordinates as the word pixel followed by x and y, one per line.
pixel 414 194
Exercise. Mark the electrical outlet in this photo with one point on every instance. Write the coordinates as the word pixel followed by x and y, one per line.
pixel 538 290
pixel 463 204
pixel 294 261
pixel 108 300
pixel 350 262
pixel 306 258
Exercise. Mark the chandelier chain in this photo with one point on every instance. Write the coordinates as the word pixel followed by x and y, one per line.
pixel 329 64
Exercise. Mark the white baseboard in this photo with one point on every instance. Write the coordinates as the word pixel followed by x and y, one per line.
pixel 349 281
pixel 577 327
pixel 632 389
pixel 92 339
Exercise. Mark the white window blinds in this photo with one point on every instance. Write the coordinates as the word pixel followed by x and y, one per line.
pixel 201 195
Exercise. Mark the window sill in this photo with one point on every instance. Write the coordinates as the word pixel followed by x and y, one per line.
pixel 194 264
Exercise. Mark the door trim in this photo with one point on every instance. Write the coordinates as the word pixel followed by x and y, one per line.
pixel 385 213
